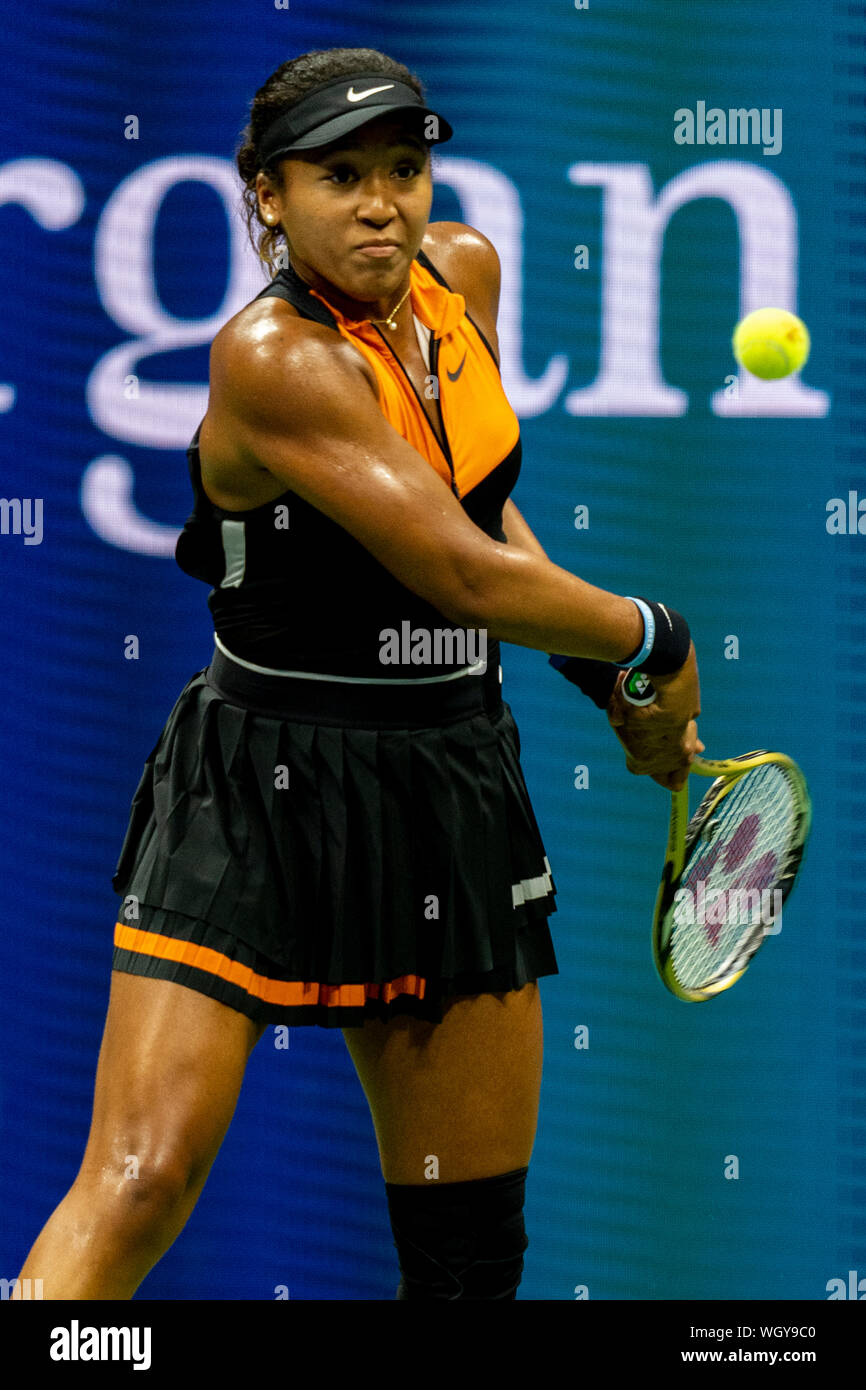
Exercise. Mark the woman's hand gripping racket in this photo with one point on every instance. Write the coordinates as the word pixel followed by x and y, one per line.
pixel 729 868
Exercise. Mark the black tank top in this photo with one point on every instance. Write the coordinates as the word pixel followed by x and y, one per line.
pixel 294 591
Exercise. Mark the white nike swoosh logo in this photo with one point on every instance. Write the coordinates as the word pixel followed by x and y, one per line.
pixel 352 95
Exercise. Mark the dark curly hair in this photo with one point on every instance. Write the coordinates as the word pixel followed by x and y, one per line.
pixel 282 90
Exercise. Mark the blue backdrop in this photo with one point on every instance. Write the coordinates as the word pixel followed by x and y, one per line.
pixel 650 466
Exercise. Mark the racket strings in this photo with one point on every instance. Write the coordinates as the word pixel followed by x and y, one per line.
pixel 728 893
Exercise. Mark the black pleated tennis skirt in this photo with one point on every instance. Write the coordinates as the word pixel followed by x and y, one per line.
pixel 314 852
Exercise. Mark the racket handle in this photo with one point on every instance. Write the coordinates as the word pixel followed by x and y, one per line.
pixel 638 689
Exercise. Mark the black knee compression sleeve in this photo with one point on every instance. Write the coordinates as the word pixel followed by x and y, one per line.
pixel 460 1239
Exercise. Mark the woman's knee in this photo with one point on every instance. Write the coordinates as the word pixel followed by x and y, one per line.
pixel 139 1189
pixel 169 1073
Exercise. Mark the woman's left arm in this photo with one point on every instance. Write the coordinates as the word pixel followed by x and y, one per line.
pixel 518 532
pixel 600 680
pixel 597 679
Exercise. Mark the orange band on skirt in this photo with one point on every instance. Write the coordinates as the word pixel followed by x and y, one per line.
pixel 288 992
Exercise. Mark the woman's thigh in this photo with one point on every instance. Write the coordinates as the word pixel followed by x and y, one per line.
pixel 455 1100
pixel 168 1078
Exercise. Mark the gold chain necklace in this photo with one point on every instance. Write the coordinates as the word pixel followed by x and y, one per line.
pixel 390 317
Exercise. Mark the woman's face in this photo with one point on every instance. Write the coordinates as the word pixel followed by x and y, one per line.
pixel 373 184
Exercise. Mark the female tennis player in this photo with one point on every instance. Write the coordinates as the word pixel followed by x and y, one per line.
pixel 333 827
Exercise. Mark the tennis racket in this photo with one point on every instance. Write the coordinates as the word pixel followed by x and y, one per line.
pixel 729 869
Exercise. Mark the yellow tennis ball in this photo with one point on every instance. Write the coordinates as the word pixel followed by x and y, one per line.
pixel 771 343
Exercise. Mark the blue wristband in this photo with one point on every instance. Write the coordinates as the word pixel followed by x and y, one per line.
pixel 649 636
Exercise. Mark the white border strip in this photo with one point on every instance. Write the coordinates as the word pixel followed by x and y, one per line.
pixel 532 887
pixel 477 669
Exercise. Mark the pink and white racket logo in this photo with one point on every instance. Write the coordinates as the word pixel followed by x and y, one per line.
pixel 729 884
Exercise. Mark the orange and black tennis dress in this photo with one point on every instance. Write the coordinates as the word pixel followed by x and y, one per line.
pixel 333 824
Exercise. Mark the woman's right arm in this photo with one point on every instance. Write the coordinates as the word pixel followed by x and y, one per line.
pixel 304 408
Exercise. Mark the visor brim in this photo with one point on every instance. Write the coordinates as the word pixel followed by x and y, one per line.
pixel 330 131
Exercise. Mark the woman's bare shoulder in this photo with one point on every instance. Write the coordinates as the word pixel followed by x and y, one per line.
pixel 466 257
pixel 470 263
pixel 264 361
pixel 268 332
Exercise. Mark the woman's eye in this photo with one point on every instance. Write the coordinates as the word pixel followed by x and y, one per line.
pixel 406 169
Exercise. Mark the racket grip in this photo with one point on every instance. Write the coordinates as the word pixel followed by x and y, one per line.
pixel 638 689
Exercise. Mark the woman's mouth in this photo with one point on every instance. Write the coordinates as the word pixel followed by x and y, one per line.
pixel 382 249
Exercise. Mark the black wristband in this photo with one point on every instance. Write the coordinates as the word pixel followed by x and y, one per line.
pixel 670 649
pixel 671 643
pixel 595 678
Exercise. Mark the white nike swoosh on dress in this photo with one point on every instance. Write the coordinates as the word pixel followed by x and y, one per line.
pixel 352 95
